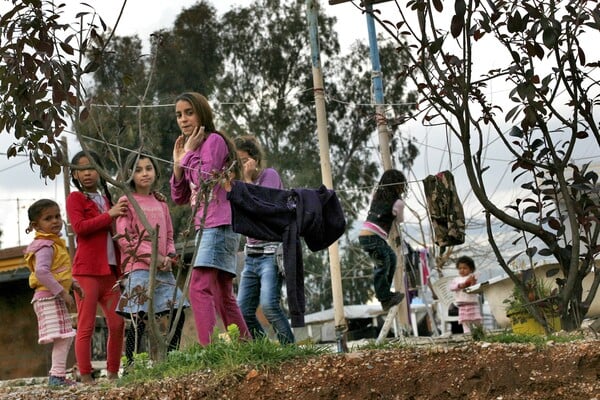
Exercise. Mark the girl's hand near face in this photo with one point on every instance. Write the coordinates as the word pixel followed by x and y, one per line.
pixel 250 170
pixel 195 139
pixel 178 149
pixel 178 154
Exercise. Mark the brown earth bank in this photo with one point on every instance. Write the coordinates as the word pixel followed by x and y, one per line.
pixel 470 370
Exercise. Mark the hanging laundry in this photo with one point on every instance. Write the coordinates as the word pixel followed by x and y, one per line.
pixel 445 210
pixel 424 261
pixel 285 216
pixel 411 266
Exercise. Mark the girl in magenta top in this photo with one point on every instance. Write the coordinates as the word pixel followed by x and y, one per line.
pixel 204 156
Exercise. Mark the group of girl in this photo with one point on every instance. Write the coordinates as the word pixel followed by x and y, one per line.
pixel 100 264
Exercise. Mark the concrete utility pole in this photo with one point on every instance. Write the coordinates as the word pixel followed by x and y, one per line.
pixel 334 257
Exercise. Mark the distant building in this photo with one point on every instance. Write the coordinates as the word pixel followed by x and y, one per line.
pixel 20 354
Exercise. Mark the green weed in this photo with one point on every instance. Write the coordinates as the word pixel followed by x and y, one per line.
pixel 226 355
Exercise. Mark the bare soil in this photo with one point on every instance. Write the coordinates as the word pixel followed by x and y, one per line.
pixel 468 370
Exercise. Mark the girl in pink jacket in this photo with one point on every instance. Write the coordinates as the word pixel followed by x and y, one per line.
pixel 136 249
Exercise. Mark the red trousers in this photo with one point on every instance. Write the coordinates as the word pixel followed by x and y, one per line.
pixel 98 290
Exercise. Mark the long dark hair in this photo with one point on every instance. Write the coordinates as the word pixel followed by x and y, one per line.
pixel 99 163
pixel 204 111
pixel 392 185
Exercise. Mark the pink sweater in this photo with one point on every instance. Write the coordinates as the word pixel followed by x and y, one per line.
pixel 157 214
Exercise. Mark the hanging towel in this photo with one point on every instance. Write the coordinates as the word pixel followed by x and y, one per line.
pixel 445 210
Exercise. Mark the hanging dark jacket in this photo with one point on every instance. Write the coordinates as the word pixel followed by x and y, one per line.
pixel 285 216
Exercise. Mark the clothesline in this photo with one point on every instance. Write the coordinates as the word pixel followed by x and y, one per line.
pixel 446 174
pixel 236 103
pixel 170 162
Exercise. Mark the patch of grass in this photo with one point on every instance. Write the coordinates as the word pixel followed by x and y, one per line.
pixel 478 333
pixel 225 356
pixel 537 340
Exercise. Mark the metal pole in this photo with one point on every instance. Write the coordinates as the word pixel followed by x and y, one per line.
pixel 384 146
pixel 334 258
pixel 376 77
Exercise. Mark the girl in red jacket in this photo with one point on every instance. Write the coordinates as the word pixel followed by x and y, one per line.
pixel 91 215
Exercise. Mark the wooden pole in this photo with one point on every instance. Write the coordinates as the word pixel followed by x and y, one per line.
pixel 67 190
pixel 334 258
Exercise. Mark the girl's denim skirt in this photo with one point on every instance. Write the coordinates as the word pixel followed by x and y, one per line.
pixel 135 296
pixel 218 248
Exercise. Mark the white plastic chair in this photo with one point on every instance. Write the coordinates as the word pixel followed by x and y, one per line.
pixel 441 288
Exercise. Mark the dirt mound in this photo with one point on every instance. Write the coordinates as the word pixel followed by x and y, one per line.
pixel 471 370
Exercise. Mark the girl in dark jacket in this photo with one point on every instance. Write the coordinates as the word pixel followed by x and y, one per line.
pixel 386 209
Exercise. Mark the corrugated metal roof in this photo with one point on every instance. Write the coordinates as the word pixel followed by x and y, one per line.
pixel 18 274
pixel 12 264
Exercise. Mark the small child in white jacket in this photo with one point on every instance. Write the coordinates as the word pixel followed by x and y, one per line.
pixel 469 311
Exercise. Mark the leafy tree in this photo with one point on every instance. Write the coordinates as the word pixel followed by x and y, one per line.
pixel 553 87
pixel 188 56
pixel 40 77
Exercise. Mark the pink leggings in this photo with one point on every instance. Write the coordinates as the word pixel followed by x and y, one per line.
pixel 60 352
pixel 211 293
pixel 98 290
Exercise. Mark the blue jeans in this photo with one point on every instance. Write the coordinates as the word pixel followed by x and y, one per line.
pixel 385 264
pixel 260 284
